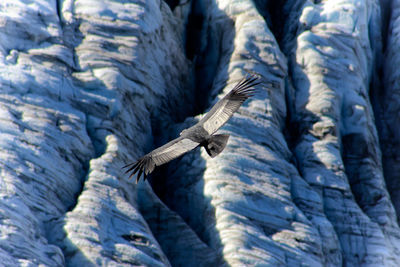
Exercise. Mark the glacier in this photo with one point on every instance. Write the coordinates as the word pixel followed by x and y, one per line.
pixel 310 173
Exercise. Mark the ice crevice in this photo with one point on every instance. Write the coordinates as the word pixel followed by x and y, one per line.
pixel 89 86
pixel 331 73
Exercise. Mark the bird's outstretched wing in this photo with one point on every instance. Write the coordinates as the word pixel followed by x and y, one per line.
pixel 223 110
pixel 159 156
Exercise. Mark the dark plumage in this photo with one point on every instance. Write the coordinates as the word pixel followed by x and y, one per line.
pixel 200 134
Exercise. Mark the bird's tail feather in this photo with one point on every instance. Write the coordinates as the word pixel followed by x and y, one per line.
pixel 216 144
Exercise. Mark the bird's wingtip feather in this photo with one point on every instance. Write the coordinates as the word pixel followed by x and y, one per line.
pixel 144 166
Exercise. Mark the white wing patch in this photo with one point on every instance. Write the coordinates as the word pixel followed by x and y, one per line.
pixel 221 116
pixel 163 155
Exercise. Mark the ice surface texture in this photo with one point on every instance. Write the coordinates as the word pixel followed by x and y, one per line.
pixel 310 175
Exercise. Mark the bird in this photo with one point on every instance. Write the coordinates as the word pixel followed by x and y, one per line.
pixel 201 134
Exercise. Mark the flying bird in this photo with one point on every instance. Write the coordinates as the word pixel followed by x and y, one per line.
pixel 200 134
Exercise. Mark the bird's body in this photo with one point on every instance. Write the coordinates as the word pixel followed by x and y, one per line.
pixel 200 134
pixel 195 133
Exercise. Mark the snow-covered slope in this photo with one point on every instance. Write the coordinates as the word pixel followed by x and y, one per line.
pixel 87 86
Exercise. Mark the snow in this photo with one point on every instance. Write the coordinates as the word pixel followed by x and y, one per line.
pixel 89 86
